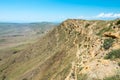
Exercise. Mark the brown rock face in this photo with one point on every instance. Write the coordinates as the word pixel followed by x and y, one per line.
pixel 99 69
pixel 113 35
pixel 72 51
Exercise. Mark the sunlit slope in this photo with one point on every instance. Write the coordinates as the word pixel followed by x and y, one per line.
pixel 75 50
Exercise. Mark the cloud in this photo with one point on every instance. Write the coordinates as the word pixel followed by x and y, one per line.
pixel 108 15
pixel 101 16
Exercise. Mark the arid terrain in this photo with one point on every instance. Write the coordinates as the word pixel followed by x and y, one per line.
pixel 12 34
pixel 74 50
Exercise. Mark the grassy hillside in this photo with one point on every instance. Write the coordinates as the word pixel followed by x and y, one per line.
pixel 74 50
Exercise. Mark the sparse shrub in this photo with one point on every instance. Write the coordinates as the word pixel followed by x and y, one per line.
pixel 4 77
pixel 105 29
pixel 118 63
pixel 116 77
pixel 113 54
pixel 108 43
pixel 73 75
pixel 81 68
pixel 118 22
pixel 25 79
pixel 87 25
pixel 81 77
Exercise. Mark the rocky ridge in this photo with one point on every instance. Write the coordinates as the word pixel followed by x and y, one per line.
pixel 75 50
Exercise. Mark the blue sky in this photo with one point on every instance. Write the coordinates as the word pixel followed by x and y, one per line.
pixel 57 10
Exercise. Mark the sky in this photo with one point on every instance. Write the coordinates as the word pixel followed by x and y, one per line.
pixel 57 10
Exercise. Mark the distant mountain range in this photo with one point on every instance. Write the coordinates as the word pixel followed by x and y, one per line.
pixel 22 28
pixel 15 33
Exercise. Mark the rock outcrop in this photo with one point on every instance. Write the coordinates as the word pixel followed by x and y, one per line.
pixel 72 51
pixel 112 34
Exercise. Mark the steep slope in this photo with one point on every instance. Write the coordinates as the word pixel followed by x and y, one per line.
pixel 75 50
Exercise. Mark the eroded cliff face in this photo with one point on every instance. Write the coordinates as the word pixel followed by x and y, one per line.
pixel 75 50
pixel 89 40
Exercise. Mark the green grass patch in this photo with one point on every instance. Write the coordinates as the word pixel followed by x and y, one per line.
pixel 105 29
pixel 108 43
pixel 82 77
pixel 116 77
pixel 118 63
pixel 2 40
pixel 113 54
